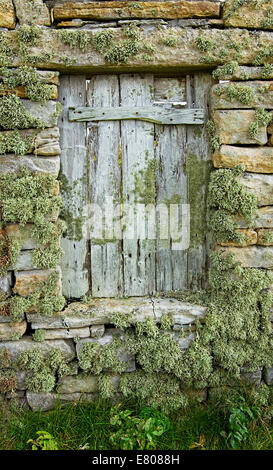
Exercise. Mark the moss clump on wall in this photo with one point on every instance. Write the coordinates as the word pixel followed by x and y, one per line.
pixel 145 182
pixel 120 51
pixel 13 114
pixel 262 118
pixel 13 142
pixel 214 139
pixel 42 370
pixel 198 174
pixel 29 78
pixel 95 359
pixel 242 93
pixel 225 71
pixel 75 38
pixel 9 250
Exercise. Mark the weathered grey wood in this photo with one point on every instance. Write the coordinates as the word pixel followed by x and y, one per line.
pixel 170 151
pixel 154 114
pixel 169 90
pixel 74 168
pixel 198 156
pixel 137 154
pixel 105 182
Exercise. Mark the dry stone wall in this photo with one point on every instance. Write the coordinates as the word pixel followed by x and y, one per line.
pixel 50 350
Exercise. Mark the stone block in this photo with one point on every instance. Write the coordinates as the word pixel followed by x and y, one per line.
pixel 265 237
pixel 251 378
pixel 67 333
pixel 250 238
pixel 5 284
pixel 232 127
pixel 255 159
pixel 12 331
pixel 28 282
pixel 32 12
pixel 45 165
pixel 261 92
pixel 252 256
pixel 260 185
pixel 268 375
pixel 97 331
pixel 7 14
pixel 263 219
pixel 26 343
pixel 247 15
pixel 47 401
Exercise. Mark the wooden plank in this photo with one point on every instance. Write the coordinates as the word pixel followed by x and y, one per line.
pixel 121 9
pixel 137 160
pixel 170 151
pixel 74 168
pixel 105 182
pixel 198 156
pixel 154 114
pixel 169 90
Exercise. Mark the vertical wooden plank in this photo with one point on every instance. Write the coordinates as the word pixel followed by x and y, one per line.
pixel 105 182
pixel 137 168
pixel 74 265
pixel 170 150
pixel 198 164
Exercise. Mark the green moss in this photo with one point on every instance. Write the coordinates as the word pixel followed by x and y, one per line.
pixel 166 322
pixel 145 182
pixel 121 320
pixel 267 71
pixel 7 381
pixel 242 93
pixel 95 359
pixel 198 174
pixel 41 368
pixel 268 237
pixel 226 192
pixel 105 386
pixel 169 38
pixel 76 39
pixel 14 142
pixel 38 336
pixel 13 114
pixel 9 250
pixel 29 78
pixel 223 227
pixel 262 118
pixel 120 51
pixel 29 34
pixel 225 71
pixel 213 138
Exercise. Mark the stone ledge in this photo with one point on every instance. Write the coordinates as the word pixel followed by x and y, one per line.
pixel 246 16
pixel 100 311
pixel 126 10
pixel 47 401
pixel 37 165
pixel 27 344
pixel 261 97
pixel 251 257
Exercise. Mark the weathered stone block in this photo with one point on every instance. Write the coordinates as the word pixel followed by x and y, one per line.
pixel 45 165
pixel 268 375
pixel 250 238
pixel 233 127
pixel 7 14
pixel 247 15
pixel 184 341
pixel 32 12
pixel 262 95
pixel 22 234
pixel 29 281
pixel 97 331
pixel 45 141
pixel 265 237
pixel 12 331
pixel 27 344
pixel 255 159
pixel 100 311
pixel 251 257
pixel 252 378
pixel 260 185
pixel 47 401
pixel 184 54
pixel 263 219
pixel 22 92
pixel 5 284
pixel 80 383
pixel 106 340
pixel 44 111
pixel 243 72
pixel 66 333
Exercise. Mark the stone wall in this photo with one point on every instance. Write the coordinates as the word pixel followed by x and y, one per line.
pixel 52 350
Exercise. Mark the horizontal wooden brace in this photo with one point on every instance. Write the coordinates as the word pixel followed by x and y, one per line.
pixel 154 114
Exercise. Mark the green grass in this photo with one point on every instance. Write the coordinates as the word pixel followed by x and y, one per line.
pixel 79 425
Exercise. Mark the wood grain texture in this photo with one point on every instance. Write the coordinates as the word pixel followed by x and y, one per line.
pixel 198 157
pixel 105 182
pixel 137 152
pixel 153 114
pixel 74 168
pixel 170 151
